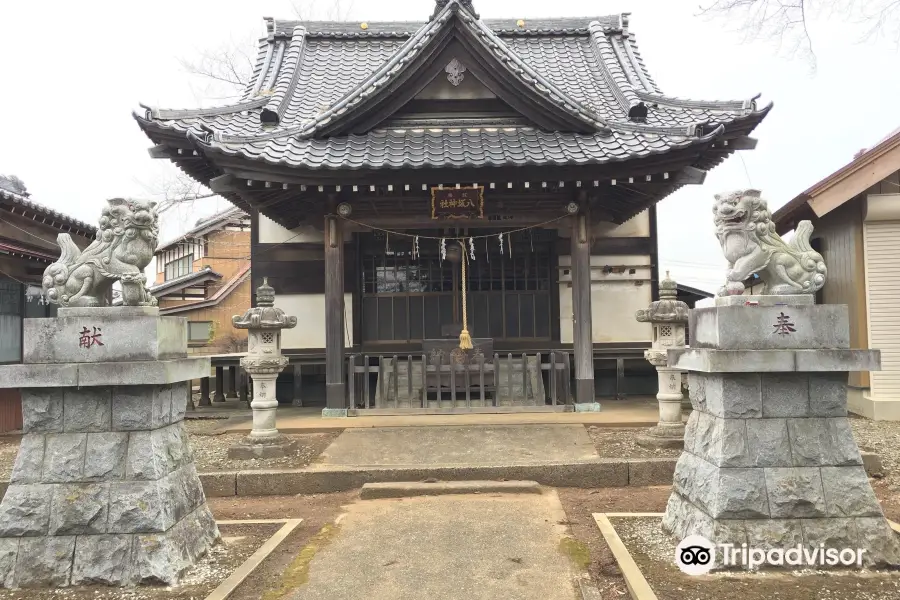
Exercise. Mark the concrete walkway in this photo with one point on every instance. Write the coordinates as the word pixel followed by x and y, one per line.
pixel 634 412
pixel 461 445
pixel 471 547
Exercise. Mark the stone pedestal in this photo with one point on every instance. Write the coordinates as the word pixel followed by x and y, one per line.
pixel 668 315
pixel 669 432
pixel 263 362
pixel 769 457
pixel 104 488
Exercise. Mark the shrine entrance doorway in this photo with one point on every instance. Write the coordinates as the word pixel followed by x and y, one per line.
pixel 410 295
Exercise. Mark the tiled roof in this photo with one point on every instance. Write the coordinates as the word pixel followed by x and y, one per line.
pixel 589 69
pixel 223 292
pixel 457 147
pixel 204 274
pixel 58 218
pixel 206 225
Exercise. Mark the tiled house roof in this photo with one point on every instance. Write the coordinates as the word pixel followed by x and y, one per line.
pixel 205 226
pixel 179 283
pixel 20 202
pixel 322 95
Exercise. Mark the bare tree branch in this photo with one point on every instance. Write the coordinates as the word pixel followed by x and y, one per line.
pixel 226 74
pixel 335 10
pixel 787 22
pixel 174 189
pixel 230 66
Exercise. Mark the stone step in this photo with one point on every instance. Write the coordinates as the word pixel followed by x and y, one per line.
pixel 403 489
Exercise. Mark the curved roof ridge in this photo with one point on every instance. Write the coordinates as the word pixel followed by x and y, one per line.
pixel 407 52
pixel 534 78
pixel 285 82
pixel 747 106
pixel 599 43
pixel 691 130
pixel 376 79
pixel 164 114
pixel 637 61
pixel 263 60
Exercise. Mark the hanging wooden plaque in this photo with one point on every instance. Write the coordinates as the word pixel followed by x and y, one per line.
pixel 457 203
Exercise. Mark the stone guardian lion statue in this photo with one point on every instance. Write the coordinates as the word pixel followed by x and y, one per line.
pixel 125 243
pixel 745 229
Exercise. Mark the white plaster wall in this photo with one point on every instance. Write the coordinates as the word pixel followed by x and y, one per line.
pixel 271 232
pixel 614 300
pixel 637 226
pixel 310 312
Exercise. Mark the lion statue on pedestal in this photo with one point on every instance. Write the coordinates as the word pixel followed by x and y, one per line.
pixel 745 229
pixel 126 240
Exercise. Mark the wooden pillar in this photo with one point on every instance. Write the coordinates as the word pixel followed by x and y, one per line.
pixel 335 394
pixel 620 378
pixel 204 392
pixel 190 397
pixel 243 387
pixel 220 385
pixel 298 386
pixel 231 382
pixel 581 310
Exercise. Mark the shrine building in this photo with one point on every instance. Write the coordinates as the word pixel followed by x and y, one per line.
pixel 407 181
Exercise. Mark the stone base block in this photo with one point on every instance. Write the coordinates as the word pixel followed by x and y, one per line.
pixel 824 326
pixel 871 534
pixel 105 334
pixel 328 413
pixel 104 489
pixel 250 448
pixel 587 407
pixel 113 559
pixel 662 436
pixel 751 301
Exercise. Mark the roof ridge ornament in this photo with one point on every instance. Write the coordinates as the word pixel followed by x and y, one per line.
pixel 440 5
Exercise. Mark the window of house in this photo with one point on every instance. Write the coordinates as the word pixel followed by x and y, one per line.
pixel 179 267
pixel 11 309
pixel 199 331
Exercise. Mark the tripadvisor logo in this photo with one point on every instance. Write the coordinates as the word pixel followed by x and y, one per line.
pixel 696 555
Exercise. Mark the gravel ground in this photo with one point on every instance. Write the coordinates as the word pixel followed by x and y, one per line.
pixel 211 449
pixel 616 442
pixel 240 541
pixel 653 551
pixel 883 438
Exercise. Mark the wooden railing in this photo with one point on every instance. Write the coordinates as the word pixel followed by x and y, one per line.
pixel 459 380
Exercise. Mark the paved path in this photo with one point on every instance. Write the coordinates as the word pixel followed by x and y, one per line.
pixel 634 412
pixel 474 445
pixel 499 547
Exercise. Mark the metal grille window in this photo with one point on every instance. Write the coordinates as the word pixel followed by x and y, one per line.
pixel 408 299
pixel 179 267
pixel 199 331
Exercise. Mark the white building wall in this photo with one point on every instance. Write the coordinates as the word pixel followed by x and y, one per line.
pixel 310 312
pixel 271 232
pixel 615 297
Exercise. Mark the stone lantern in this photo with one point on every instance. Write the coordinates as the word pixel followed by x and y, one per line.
pixel 669 318
pixel 263 363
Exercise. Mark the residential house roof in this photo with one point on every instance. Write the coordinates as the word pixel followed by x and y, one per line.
pixel 179 283
pixel 579 85
pixel 867 168
pixel 223 292
pixel 229 216
pixel 15 196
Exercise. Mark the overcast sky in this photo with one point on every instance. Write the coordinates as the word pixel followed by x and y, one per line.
pixel 73 72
